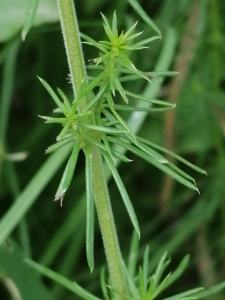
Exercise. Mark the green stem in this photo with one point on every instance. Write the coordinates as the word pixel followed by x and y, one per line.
pixel 102 200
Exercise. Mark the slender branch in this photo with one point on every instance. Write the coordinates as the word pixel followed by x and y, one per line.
pixel 78 76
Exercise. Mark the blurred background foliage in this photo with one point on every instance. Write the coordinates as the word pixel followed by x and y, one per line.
pixel 172 218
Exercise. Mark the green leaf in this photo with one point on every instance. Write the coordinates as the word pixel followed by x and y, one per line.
pixel 33 4
pixel 160 269
pixel 92 42
pixel 105 140
pixel 141 283
pixel 90 87
pixel 90 207
pixel 185 294
pixel 123 193
pixel 136 108
pixel 145 268
pixel 120 89
pixel 184 161
pixel 150 100
pixel 139 10
pixel 70 285
pixel 103 284
pixel 56 146
pixel 121 294
pixel 33 189
pixel 146 41
pixel 112 77
pixel 179 271
pixel 106 23
pixel 158 165
pixel 161 286
pixel 211 291
pixel 114 23
pixel 133 254
pixel 53 120
pixel 120 156
pixel 100 128
pixel 131 285
pixel 95 142
pixel 117 116
pixel 65 99
pixel 96 98
pixel 68 173
pixel 129 31
pixel 52 93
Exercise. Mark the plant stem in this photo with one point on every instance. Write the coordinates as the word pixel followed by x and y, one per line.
pixel 102 200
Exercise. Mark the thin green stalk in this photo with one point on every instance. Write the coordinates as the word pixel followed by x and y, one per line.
pixel 78 76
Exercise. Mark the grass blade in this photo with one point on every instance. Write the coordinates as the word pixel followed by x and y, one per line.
pixel 33 189
pixel 32 8
pixel 70 285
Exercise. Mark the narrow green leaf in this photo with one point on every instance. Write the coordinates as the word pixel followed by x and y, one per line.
pixel 146 41
pixel 68 173
pixel 162 73
pixel 106 23
pixel 65 99
pixel 154 162
pixel 102 58
pixel 100 128
pixel 52 94
pixel 32 8
pixel 145 268
pixel 141 283
pixel 56 146
pixel 161 286
pixel 130 30
pixel 133 254
pixel 92 42
pixel 149 100
pixel 70 285
pixel 136 108
pixel 133 69
pixel 95 142
pixel 121 294
pixel 96 98
pixel 139 10
pixel 179 171
pixel 114 23
pixel 179 271
pixel 53 120
pixel 103 284
pixel 105 139
pixel 184 161
pixel 127 62
pixel 121 90
pixel 185 294
pixel 117 116
pixel 211 291
pixel 123 193
pixel 63 132
pixel 160 269
pixel 112 77
pixel 151 287
pixel 90 207
pixel 90 87
pixel 134 36
pixel 120 156
pixel 131 285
